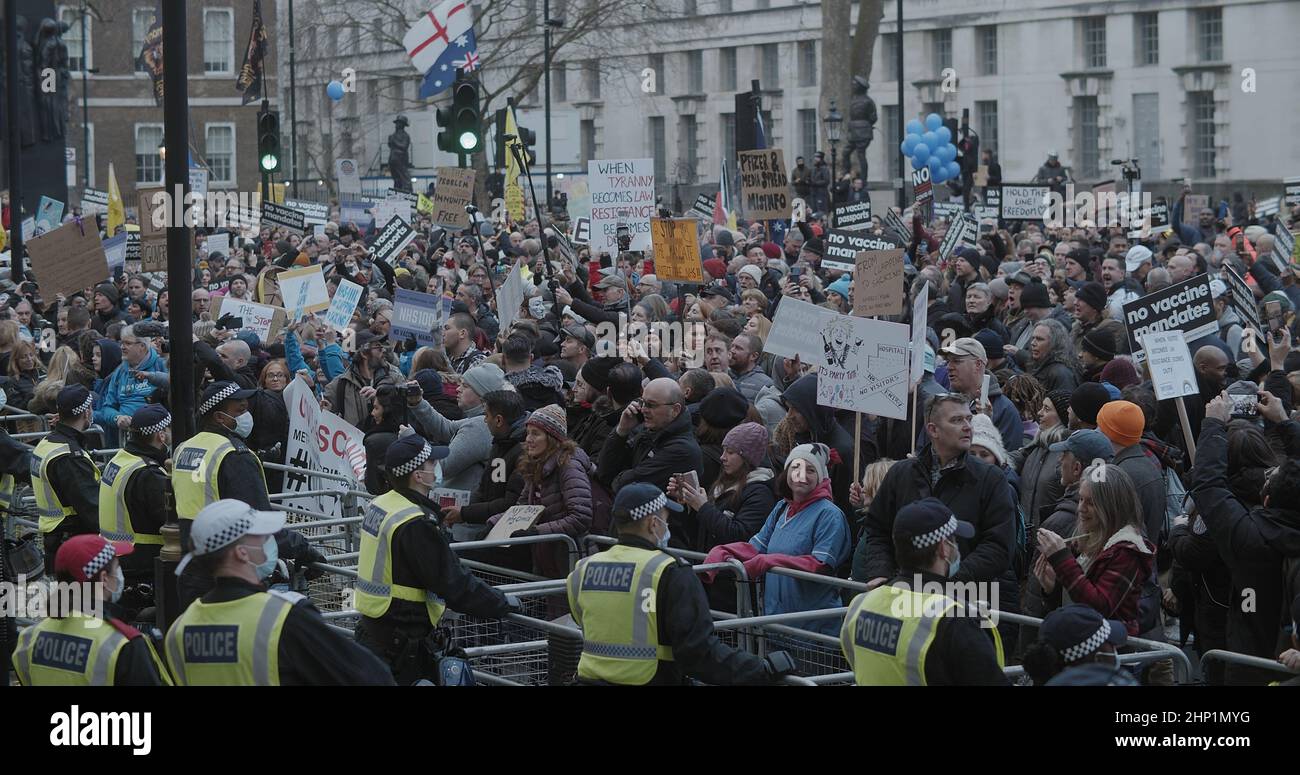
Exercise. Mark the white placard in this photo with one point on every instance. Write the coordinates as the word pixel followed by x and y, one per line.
pixel 621 189
pixel 218 243
pixel 1170 363
pixel 791 335
pixel 303 291
pixel 867 366
pixel 258 318
pixel 920 312
pixel 509 296
pixel 199 182
pixel 348 176
pixel 1024 203
pixel 343 304
pixel 318 441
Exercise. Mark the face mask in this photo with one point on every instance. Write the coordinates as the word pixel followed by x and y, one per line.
pixel 663 540
pixel 272 551
pixel 954 564
pixel 120 581
pixel 4 399
pixel 243 425
pixel 537 307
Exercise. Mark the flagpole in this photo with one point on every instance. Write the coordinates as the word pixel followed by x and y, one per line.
pixel 293 107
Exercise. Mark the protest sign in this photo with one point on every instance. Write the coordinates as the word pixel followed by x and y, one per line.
pixel 318 441
pixel 764 186
pixel 922 186
pixel 1181 307
pixel 115 253
pixel 677 254
pixel 1291 191
pixel 1150 220
pixel 789 335
pixel 1024 202
pixel 981 177
pixel 132 245
pixel 854 216
pixel 303 290
pixel 920 313
pixel 622 190
pixel 515 518
pixel 153 255
pixel 1241 299
pixel 48 214
pixel 448 498
pixel 866 366
pixel 455 190
pixel 877 282
pixel 68 259
pixel 1193 204
pixel 894 223
pixel 993 202
pixel 264 320
pixel 28 228
pixel 1283 248
pixel 93 202
pixel 424 205
pixel 843 246
pixel 703 206
pixel 344 303
pixel 283 217
pixel 582 231
pixel 418 315
pixel 348 176
pixel 313 212
pixel 1170 364
pixel 218 243
pixel 198 182
pixel 951 239
pixel 948 210
pixel 358 212
pixel 510 295
pixel 386 210
pixel 395 236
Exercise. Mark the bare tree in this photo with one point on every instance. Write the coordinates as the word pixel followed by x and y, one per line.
pixel 843 56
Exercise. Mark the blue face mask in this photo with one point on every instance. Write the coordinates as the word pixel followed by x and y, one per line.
pixel 663 540
pixel 265 568
pixel 954 564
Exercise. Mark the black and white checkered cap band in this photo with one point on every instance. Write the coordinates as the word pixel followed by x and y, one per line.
pixel 156 427
pixel 935 536
pixel 100 560
pixel 414 462
pixel 1080 650
pixel 650 507
pixel 85 405
pixel 221 395
pixel 227 535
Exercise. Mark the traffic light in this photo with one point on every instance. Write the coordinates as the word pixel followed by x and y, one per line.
pixel 268 141
pixel 462 131
pixel 529 138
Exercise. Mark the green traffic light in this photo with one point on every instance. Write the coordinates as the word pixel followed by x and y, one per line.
pixel 469 141
pixel 270 162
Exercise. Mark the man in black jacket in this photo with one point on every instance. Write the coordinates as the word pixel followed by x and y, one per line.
pixel 63 475
pixel 606 385
pixel 499 488
pixel 1256 544
pixel 663 443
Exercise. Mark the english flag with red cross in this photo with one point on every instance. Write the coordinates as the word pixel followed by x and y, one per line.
pixel 441 41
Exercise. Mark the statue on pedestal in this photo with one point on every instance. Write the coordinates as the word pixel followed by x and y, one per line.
pixel 399 155
pixel 862 125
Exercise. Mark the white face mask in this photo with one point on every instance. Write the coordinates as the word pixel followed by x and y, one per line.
pixel 537 307
pixel 663 539
pixel 243 424
pixel 119 580
pixel 4 399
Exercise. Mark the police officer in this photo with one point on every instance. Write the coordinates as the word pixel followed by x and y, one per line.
pixel 15 468
pixel 238 633
pixel 645 616
pixel 134 489
pixel 214 464
pixel 15 463
pixel 407 575
pixel 78 648
pixel 64 478
pixel 908 631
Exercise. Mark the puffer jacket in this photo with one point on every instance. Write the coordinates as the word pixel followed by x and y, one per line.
pixel 123 394
pixel 1054 374
pixel 566 494
pixel 1040 479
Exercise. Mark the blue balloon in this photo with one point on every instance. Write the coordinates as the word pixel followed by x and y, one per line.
pixel 914 127
pixel 954 169
pixel 909 143
pixel 944 133
pixel 933 122
pixel 952 152
pixel 334 90
pixel 936 169
pixel 921 152
pixel 940 153
pixel 917 163
pixel 931 139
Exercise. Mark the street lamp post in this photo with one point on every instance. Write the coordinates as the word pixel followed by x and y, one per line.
pixel 833 119
pixel 547 24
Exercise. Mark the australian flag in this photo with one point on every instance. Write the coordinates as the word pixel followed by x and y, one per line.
pixel 441 41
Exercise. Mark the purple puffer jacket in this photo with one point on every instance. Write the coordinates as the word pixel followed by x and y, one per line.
pixel 566 494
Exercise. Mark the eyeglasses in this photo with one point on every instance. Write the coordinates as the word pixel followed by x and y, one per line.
pixel 653 405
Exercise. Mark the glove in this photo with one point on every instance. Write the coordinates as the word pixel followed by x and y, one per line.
pixel 780 663
pixel 314 555
pixel 226 321
pixel 516 606
pixel 532 531
pixel 740 550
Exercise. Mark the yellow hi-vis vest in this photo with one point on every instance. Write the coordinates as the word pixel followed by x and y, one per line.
pixel 114 521
pixel 195 465
pixel 375 589
pixel 235 643
pixel 76 650
pixel 888 632
pixel 51 510
pixel 7 487
pixel 612 597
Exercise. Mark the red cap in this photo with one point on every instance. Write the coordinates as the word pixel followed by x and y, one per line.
pixel 81 557
pixel 716 268
pixel 771 250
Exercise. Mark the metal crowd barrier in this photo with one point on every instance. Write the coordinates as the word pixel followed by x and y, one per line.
pixel 1246 660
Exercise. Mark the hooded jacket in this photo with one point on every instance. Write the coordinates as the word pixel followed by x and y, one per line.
pixel 538 385
pixel 822 428
pixel 469 439
pixel 649 456
pixel 122 393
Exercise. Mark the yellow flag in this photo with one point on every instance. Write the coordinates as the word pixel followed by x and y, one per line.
pixel 116 212
pixel 424 205
pixel 514 190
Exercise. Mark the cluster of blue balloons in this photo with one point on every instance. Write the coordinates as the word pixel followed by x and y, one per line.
pixel 930 145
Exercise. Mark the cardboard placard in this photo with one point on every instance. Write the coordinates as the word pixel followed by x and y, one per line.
pixel 703 206
pixel 764 185
pixel 68 259
pixel 1170 364
pixel 867 366
pixel 514 518
pixel 676 253
pixel 303 290
pixel 348 176
pixel 1181 307
pixel 343 304
pixel 313 212
pixel 262 319
pixel 981 179
pixel 390 208
pixel 455 190
pixel 877 282
pixel 419 315
pixel 1193 204
pixel 842 247
pixel 275 215
pixel 789 335
pixel 854 216
pixel 621 190
pixel 395 236
pixel 153 254
pixel 1023 202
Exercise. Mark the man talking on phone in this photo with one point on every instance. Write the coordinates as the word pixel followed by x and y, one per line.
pixel 653 440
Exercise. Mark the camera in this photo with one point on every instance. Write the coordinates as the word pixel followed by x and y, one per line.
pixel 1244 396
pixel 623 235
pixel 414 390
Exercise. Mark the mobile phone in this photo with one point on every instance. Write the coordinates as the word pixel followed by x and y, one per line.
pixel 692 477
pixel 795 272
pixel 984 389
pixel 1273 312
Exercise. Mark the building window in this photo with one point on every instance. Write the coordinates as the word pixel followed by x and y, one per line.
pixel 765 118
pixel 986 113
pixel 688 139
pixel 395 93
pixel 141 21
pixel 807 133
pixel 1087 136
pixel 661 81
pixel 559 87
pixel 592 68
pixel 986 42
pixel 691 7
pixel 724 6
pixel 807 63
pixel 889 50
pixel 893 159
pixel 659 148
pixel 695 71
pixel 588 140
pixel 220 153
pixel 1209 34
pixel 1148 38
pixel 727 69
pixel 941 41
pixel 219 41
pixel 728 143
pixel 1203 150
pixel 148 164
pixel 71 16
pixel 1094 41
pixel 771 65
pixel 90 155
pixel 764 4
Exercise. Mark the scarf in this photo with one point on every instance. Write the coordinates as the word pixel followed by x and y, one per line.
pixel 821 491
